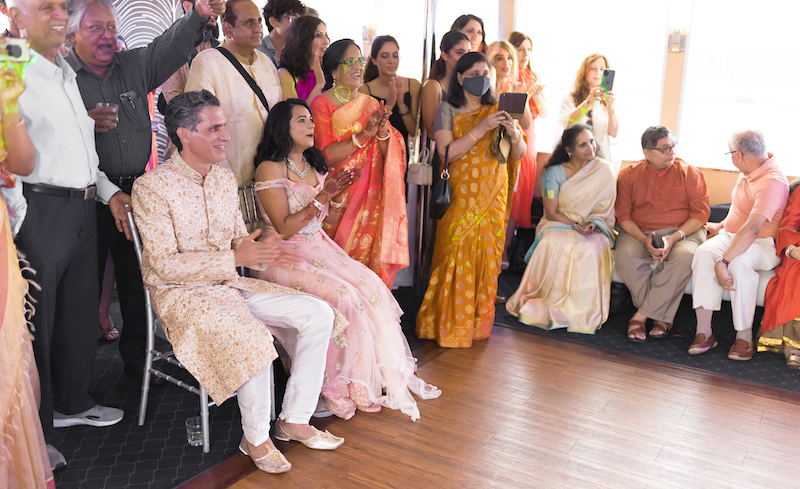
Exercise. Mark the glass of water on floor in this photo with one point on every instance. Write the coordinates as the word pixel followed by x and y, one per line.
pixel 194 431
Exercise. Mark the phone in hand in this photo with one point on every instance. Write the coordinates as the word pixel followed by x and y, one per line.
pixel 657 243
pixel 608 80
pixel 16 50
pixel 513 103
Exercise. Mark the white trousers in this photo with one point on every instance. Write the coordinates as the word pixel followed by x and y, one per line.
pixel 706 291
pixel 303 325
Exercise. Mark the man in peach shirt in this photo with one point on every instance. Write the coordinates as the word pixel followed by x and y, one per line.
pixel 661 207
pixel 741 245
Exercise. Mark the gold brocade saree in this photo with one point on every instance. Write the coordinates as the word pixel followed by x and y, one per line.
pixel 459 304
pixel 373 227
pixel 23 456
pixel 567 283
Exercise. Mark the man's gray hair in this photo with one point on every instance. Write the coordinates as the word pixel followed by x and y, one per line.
pixel 653 134
pixel 76 10
pixel 184 111
pixel 750 143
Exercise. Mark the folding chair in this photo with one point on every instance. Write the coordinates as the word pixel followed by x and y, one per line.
pixel 153 329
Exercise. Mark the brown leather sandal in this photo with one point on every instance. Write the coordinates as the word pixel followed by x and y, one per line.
pixel 635 326
pixel 660 330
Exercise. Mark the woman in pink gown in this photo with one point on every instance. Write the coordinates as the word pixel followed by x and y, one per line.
pixel 369 365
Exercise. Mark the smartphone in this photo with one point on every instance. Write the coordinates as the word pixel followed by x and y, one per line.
pixel 513 103
pixel 657 243
pixel 16 50
pixel 608 80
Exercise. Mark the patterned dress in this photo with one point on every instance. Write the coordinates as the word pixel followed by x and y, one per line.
pixel 369 364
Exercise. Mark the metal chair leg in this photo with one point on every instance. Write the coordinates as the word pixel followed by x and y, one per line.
pixel 204 419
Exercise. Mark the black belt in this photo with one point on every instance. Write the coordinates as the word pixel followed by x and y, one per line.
pixel 66 192
pixel 124 181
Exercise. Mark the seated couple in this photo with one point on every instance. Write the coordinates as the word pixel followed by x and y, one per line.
pixel 194 237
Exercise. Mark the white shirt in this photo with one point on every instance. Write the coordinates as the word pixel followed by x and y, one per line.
pixel 60 128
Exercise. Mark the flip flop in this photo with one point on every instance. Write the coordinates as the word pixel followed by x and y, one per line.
pixel 635 326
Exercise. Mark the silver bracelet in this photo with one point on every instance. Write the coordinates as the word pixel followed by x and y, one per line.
pixel 319 205
pixel 789 250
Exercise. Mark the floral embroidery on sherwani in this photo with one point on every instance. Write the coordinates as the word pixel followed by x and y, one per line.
pixel 189 225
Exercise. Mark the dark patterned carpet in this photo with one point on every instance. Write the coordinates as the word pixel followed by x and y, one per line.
pixel 156 455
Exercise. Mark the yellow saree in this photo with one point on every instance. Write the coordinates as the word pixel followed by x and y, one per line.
pixel 373 228
pixel 459 304
pixel 567 283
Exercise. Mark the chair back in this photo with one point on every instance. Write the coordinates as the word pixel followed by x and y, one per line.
pixel 137 242
pixel 249 205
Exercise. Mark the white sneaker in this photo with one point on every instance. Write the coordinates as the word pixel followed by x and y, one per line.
pixel 97 416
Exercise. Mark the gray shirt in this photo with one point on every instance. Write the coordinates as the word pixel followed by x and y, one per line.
pixel 269 49
pixel 125 150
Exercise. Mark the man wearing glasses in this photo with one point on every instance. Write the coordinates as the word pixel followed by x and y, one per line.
pixel 114 87
pixel 279 14
pixel 661 207
pixel 741 245
pixel 243 79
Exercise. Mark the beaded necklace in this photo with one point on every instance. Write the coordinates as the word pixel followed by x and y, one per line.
pixel 341 99
pixel 301 174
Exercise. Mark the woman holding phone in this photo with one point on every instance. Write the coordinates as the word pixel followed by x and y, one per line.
pixel 460 301
pixel 590 104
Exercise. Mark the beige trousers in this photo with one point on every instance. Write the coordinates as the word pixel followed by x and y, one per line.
pixel 656 293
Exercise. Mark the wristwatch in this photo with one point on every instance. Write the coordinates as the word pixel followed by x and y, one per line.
pixel 683 235
pixel 724 261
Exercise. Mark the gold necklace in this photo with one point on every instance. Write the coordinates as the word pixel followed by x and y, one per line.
pixel 341 99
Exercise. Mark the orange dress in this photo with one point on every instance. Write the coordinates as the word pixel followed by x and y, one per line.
pixel 373 227
pixel 526 174
pixel 781 323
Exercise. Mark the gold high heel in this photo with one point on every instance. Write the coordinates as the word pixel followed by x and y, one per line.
pixel 322 440
pixel 273 462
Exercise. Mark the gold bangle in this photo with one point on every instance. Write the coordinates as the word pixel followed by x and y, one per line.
pixel 515 140
pixel 20 122
pixel 388 134
pixel 336 205
pixel 355 141
pixel 473 137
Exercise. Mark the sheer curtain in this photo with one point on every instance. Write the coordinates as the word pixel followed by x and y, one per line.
pixel 743 72
pixel 633 36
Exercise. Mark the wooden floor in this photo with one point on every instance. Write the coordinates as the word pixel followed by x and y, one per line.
pixel 521 410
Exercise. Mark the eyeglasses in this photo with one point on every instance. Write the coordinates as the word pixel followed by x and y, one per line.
pixel 351 62
pixel 666 149
pixel 731 152
pixel 96 29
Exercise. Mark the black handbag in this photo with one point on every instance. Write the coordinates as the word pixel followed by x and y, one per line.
pixel 440 196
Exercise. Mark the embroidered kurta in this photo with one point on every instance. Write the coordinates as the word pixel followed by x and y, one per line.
pixel 189 227
pixel 243 111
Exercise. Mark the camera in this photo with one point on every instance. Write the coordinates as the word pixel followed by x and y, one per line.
pixel 16 50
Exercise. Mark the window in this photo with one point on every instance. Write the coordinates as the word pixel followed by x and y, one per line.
pixel 631 33
pixel 742 72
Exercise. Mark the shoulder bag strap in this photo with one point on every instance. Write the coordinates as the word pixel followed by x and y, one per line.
pixel 249 79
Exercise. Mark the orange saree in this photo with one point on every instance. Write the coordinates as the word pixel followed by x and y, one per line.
pixel 781 323
pixel 373 227
pixel 459 304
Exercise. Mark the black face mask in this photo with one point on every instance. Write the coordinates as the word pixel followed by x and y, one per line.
pixel 477 85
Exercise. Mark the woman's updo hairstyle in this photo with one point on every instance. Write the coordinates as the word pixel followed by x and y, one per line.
pixel 568 138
